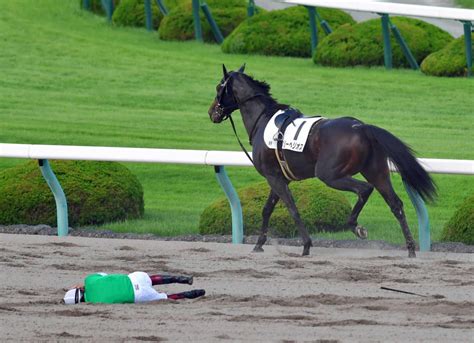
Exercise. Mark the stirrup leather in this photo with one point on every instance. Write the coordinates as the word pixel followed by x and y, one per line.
pixel 285 168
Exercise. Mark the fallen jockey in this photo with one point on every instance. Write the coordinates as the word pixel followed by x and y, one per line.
pixel 136 287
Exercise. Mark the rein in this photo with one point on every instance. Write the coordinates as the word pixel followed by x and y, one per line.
pixel 238 139
pixel 251 133
pixel 233 107
pixel 229 116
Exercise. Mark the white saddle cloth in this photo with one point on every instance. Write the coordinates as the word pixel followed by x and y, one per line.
pixel 295 136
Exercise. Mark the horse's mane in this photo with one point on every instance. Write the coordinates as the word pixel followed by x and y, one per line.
pixel 264 88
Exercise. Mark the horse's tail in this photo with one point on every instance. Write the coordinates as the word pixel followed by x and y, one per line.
pixel 403 157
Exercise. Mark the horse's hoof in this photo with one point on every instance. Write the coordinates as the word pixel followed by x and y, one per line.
pixel 306 249
pixel 411 254
pixel 360 232
pixel 257 249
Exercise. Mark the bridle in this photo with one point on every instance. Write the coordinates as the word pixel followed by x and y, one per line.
pixel 225 112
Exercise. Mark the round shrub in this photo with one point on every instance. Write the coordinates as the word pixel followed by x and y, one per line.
pixel 362 43
pixel 460 228
pixel 321 209
pixel 132 12
pixel 179 23
pixel 96 6
pixel 282 33
pixel 449 61
pixel 96 193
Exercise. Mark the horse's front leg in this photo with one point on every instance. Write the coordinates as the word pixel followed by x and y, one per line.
pixel 266 214
pixel 279 185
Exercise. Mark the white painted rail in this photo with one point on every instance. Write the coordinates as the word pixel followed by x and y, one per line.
pixel 178 156
pixel 218 159
pixel 120 154
pixel 384 10
pixel 391 8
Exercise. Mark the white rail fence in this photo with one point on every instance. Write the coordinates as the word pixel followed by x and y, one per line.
pixel 120 154
pixel 391 8
pixel 180 156
pixel 384 9
pixel 218 159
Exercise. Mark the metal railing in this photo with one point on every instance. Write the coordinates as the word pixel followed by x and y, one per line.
pixel 218 159
pixel 384 9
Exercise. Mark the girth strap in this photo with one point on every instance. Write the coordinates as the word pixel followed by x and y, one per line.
pixel 286 119
pixel 284 166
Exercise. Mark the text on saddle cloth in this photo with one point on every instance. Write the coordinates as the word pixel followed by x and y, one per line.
pixel 294 136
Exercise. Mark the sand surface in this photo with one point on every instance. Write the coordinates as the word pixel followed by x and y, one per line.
pixel 334 295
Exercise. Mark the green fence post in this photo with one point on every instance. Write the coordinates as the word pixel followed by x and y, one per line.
pixel 313 29
pixel 215 29
pixel 109 8
pixel 406 50
pixel 251 8
pixel 324 24
pixel 387 47
pixel 468 45
pixel 59 197
pixel 162 7
pixel 423 220
pixel 148 15
pixel 86 4
pixel 234 201
pixel 197 21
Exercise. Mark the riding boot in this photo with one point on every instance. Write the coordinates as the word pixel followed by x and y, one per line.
pixel 195 293
pixel 166 279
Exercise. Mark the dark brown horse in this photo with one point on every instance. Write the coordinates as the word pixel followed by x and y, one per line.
pixel 336 150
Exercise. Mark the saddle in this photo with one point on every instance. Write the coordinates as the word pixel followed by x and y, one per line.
pixel 286 118
pixel 282 121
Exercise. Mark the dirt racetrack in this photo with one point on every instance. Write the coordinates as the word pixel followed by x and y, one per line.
pixel 334 295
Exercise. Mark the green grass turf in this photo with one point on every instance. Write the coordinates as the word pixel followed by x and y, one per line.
pixel 465 3
pixel 67 77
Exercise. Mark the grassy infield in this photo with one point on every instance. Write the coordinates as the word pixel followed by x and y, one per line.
pixel 466 3
pixel 69 78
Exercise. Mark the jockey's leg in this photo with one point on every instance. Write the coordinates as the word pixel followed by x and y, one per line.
pixel 195 293
pixel 166 279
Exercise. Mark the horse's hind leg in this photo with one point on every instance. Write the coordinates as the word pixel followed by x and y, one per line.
pixel 279 185
pixel 266 214
pixel 396 205
pixel 381 181
pixel 363 191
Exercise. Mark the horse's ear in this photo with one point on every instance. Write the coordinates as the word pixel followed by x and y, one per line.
pixel 224 70
pixel 241 70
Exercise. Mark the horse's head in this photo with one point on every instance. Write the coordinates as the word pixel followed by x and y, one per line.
pixel 225 101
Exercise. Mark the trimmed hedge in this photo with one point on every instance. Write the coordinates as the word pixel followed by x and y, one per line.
pixel 449 61
pixel 460 228
pixel 281 33
pixel 132 12
pixel 96 192
pixel 362 43
pixel 96 6
pixel 179 24
pixel 321 208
